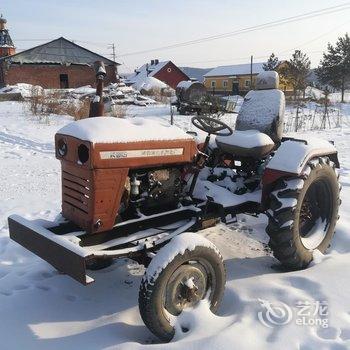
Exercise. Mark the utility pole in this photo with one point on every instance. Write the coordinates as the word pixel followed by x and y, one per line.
pixel 251 72
pixel 112 46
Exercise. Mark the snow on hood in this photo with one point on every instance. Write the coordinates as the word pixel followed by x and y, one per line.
pixel 111 130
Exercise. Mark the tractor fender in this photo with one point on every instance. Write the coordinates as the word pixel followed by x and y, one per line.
pixel 291 158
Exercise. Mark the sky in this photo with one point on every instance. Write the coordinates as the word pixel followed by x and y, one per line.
pixel 140 25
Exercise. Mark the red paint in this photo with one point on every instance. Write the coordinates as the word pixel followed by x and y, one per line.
pixel 7 51
pixel 270 177
pixel 171 75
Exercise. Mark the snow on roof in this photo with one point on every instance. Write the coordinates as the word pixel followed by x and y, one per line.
pixel 112 130
pixel 151 68
pixel 236 69
pixel 139 77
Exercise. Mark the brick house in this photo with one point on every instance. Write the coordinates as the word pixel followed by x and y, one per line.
pixel 57 64
pixel 165 71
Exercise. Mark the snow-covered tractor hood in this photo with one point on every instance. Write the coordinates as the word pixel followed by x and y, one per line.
pixel 96 156
pixel 104 142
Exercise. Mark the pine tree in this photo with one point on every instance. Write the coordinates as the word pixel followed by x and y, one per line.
pixel 334 68
pixel 296 71
pixel 272 63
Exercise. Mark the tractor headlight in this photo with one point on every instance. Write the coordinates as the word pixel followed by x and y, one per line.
pixel 62 147
pixel 83 154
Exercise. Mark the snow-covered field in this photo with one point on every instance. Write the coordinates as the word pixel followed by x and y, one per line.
pixel 42 309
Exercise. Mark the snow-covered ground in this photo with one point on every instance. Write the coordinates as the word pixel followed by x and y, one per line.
pixel 42 309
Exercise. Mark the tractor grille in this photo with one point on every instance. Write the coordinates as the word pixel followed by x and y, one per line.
pixel 76 193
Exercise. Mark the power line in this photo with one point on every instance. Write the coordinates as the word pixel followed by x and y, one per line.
pixel 279 53
pixel 271 24
pixel 34 39
pixel 317 38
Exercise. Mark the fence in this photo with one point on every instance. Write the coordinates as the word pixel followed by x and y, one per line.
pixel 314 117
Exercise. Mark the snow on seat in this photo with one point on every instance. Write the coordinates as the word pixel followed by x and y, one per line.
pixel 119 130
pixel 248 143
pixel 263 108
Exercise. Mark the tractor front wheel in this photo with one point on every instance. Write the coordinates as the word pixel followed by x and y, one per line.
pixel 303 214
pixel 186 270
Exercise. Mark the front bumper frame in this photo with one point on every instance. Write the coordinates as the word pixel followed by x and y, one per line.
pixel 69 250
pixel 65 256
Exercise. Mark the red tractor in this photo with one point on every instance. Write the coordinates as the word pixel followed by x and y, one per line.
pixel 141 189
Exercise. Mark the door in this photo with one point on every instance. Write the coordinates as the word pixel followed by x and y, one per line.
pixel 235 88
pixel 64 84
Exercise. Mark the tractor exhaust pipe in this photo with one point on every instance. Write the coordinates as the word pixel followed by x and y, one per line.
pixel 97 105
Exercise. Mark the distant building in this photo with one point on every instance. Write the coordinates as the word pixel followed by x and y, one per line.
pixel 57 64
pixel 166 71
pixel 196 74
pixel 235 79
pixel 6 45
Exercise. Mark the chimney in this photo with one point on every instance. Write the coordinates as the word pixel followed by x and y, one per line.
pixel 152 62
pixel 156 61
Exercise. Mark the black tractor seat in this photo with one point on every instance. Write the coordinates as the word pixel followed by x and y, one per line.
pixel 246 143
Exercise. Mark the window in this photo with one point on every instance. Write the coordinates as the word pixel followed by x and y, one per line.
pixel 225 83
pixel 169 70
pixel 247 83
pixel 213 84
pixel 64 84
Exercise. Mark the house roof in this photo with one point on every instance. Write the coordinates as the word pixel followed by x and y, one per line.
pixel 236 69
pixel 195 73
pixel 59 51
pixel 140 74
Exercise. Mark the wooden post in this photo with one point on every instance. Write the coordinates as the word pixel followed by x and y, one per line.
pixel 297 119
pixel 171 115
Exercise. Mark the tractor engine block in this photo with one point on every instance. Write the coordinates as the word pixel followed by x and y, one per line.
pixel 157 189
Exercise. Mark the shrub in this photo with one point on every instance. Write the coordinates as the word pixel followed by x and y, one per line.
pixel 160 95
pixel 43 103
pixel 118 111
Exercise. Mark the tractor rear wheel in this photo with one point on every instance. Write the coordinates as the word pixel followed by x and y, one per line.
pixel 303 214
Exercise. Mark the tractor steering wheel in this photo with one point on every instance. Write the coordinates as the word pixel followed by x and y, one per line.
pixel 211 126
